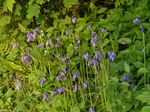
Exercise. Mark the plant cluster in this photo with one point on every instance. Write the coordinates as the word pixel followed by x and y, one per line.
pixel 56 57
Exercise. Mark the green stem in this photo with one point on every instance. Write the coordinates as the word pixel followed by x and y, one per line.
pixel 144 58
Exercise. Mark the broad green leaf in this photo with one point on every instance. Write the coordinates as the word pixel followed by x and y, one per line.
pixel 19 106
pixel 1 30
pixel 126 67
pixel 17 9
pixel 8 4
pixel 11 64
pixel 40 1
pixel 68 3
pixel 4 20
pixel 21 27
pixel 70 50
pixel 146 109
pixel 144 97
pixel 103 9
pixel 33 10
pixel 143 70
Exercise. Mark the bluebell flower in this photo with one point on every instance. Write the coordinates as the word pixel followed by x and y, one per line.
pixel 25 58
pixel 40 45
pixel 89 27
pixel 143 50
pixel 15 44
pixel 91 109
pixel 125 77
pixel 76 87
pixel 75 75
pixel 59 90
pixel 76 47
pixel 59 77
pixel 85 84
pixel 78 40
pixel 123 42
pixel 67 32
pixel 18 86
pixel 58 39
pixel 103 30
pixel 137 20
pixel 94 39
pixel 132 86
pixel 64 72
pixel 74 20
pixel 141 27
pixel 65 58
pixel 42 80
pixel 111 55
pixel 45 96
pixel 31 35
pixel 98 55
pixel 90 61
pixel 86 56
pixel 49 42
pixel 28 48
pixel 95 62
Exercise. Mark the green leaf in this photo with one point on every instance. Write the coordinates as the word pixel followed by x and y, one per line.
pixel 40 1
pixel 4 20
pixel 68 3
pixel 102 10
pixel 146 109
pixel 19 106
pixel 8 4
pixel 22 28
pixel 144 97
pixel 33 10
pixel 126 67
pixel 143 70
pixel 17 9
pixel 70 50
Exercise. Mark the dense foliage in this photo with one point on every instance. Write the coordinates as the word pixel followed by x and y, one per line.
pixel 75 55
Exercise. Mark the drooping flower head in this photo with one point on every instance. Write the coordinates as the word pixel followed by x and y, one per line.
pixel 111 55
pixel 125 77
pixel 89 27
pixel 59 90
pixel 75 75
pixel 103 30
pixel 42 80
pixel 141 27
pixel 86 56
pixel 18 86
pixel 94 39
pixel 85 84
pixel 91 109
pixel 76 87
pixel 137 20
pixel 74 20
pixel 67 32
pixel 45 96
pixel 25 58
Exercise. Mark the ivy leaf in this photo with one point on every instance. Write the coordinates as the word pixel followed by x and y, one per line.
pixel 8 4
pixel 5 20
pixel 144 97
pixel 17 9
pixel 33 10
pixel 68 3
